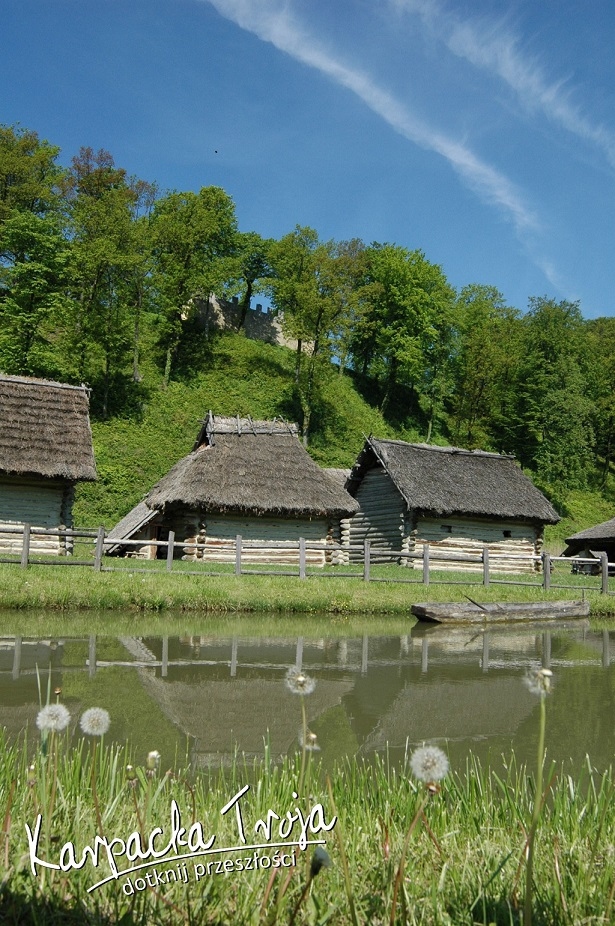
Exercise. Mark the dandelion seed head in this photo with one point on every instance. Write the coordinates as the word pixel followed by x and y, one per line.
pixel 538 681
pixel 52 718
pixel 308 741
pixel 95 721
pixel 298 682
pixel 152 762
pixel 429 764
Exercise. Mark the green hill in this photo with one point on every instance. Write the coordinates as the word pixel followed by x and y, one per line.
pixel 232 375
pixel 237 376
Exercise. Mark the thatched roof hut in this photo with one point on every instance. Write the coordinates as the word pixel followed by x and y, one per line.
pixel 258 467
pixel 448 480
pixel 45 429
pixel 599 539
pixel 248 478
pixel 406 492
pixel 45 448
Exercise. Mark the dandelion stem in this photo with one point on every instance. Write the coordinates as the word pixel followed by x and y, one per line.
pixel 303 745
pixel 95 790
pixel 529 871
pixel 404 852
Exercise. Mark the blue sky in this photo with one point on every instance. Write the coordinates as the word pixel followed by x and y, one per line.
pixel 482 133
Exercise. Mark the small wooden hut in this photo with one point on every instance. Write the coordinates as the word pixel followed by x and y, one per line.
pixel 45 448
pixel 457 501
pixel 247 478
pixel 597 539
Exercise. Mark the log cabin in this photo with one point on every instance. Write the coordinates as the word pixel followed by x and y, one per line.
pixel 45 449
pixel 243 477
pixel 591 541
pixel 457 501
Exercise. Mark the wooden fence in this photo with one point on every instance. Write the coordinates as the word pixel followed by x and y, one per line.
pixel 429 559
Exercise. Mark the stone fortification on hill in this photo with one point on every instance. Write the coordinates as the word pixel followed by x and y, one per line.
pixel 260 323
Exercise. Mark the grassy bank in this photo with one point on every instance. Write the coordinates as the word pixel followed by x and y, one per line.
pixel 464 853
pixel 77 588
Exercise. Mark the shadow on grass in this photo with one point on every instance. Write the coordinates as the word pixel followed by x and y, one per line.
pixel 20 909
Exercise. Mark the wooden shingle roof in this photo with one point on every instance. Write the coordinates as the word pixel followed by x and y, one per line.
pixel 448 481
pixel 45 429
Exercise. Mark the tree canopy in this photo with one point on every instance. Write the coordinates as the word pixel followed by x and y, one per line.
pixel 103 279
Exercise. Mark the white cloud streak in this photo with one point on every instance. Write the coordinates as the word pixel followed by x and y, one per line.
pixel 272 21
pixel 489 45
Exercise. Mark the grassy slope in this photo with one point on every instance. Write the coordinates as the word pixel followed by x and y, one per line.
pixel 238 376
pixel 241 377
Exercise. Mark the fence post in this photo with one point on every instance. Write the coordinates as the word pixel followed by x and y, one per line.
pixel 485 565
pixel 366 560
pixel 238 555
pixel 98 552
pixel 604 569
pixel 170 550
pixel 25 546
pixel 425 564
pixel 546 571
pixel 302 557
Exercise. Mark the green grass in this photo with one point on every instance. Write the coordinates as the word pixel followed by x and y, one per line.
pixel 64 588
pixel 239 377
pixel 464 861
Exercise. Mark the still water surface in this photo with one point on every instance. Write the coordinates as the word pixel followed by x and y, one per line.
pixel 203 698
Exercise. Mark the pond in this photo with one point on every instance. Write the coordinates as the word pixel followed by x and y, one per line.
pixel 201 698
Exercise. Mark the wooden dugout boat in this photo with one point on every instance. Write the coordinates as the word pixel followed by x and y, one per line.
pixel 474 613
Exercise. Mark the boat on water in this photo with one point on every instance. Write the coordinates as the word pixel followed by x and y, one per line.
pixel 475 613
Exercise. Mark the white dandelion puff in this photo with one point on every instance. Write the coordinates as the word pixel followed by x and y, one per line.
pixel 298 682
pixel 538 681
pixel 52 718
pixel 152 763
pixel 429 764
pixel 308 741
pixel 95 721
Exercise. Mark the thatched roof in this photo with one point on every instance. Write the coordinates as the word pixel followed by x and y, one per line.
pixel 251 466
pixel 339 476
pixel 448 481
pixel 45 429
pixel 604 531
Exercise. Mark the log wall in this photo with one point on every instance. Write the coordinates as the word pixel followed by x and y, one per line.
pixel 381 518
pixel 385 521
pixel 512 546
pixel 218 534
pixel 40 503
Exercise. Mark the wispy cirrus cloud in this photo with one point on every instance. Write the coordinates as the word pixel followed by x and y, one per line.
pixel 491 45
pixel 273 21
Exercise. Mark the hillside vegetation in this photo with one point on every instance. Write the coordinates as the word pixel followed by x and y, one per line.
pixel 105 280
pixel 237 377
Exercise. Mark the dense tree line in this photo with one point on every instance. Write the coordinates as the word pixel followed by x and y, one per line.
pixel 101 275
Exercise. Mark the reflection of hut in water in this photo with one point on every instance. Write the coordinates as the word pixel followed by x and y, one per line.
pixel 222 715
pixel 453 710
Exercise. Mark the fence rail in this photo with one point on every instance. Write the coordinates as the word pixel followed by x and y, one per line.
pixel 428 561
